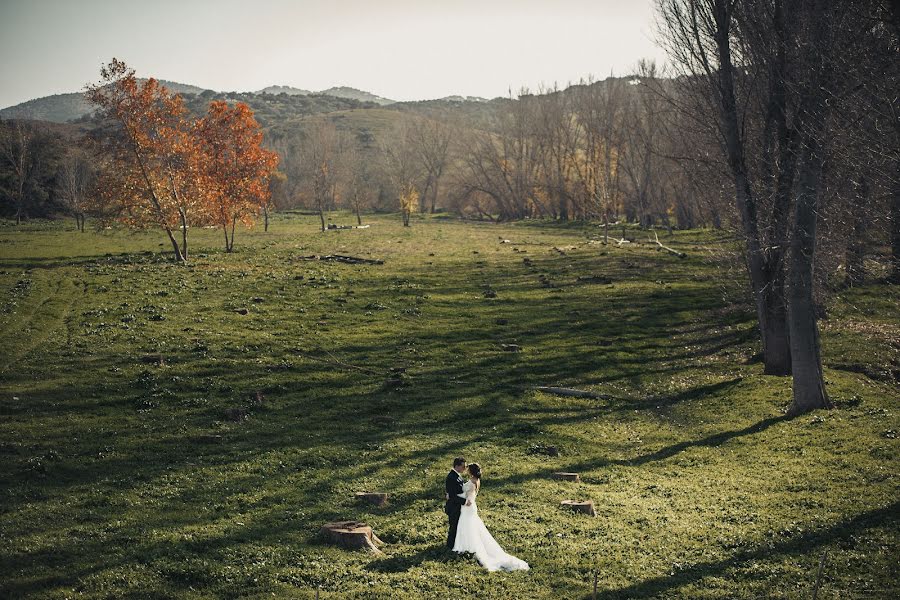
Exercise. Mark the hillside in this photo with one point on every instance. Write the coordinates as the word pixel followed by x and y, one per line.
pixel 355 94
pixel 271 103
pixel 63 108
pixel 283 89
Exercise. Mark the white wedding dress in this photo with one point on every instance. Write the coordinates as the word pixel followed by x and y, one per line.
pixel 472 536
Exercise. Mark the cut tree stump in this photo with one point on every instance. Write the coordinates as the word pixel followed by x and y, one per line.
pixel 376 498
pixel 236 414
pixel 154 359
pixel 567 477
pixel 582 506
pixel 351 534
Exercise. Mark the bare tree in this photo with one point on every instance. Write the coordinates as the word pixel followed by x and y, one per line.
pixel 403 168
pixel 698 35
pixel 431 139
pixel 769 70
pixel 503 164
pixel 557 139
pixel 359 180
pixel 599 110
pixel 321 151
pixel 75 180
pixel 28 157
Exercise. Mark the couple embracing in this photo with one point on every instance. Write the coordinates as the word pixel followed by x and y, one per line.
pixel 467 531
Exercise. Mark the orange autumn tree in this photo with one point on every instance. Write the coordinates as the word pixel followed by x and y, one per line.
pixel 236 166
pixel 153 172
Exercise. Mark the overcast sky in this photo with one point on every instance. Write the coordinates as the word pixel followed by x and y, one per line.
pixel 400 49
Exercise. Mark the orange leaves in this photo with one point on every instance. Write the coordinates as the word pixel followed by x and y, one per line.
pixel 236 165
pixel 168 170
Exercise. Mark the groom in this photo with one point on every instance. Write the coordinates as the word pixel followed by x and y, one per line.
pixel 454 486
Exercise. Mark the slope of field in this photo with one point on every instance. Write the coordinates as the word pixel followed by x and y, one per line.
pixel 155 441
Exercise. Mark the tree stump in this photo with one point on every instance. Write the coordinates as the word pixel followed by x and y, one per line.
pixel 567 477
pixel 235 414
pixel 376 498
pixel 584 506
pixel 352 535
pixel 154 359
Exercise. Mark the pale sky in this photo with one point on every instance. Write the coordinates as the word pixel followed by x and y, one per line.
pixel 399 49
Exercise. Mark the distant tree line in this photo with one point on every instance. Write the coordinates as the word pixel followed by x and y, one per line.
pixel 42 172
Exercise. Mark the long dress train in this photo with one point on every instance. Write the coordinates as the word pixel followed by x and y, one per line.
pixel 472 536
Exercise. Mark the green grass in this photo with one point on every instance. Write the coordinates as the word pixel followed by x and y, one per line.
pixel 115 484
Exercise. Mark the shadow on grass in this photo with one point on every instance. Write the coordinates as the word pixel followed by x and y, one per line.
pixel 405 562
pixel 887 516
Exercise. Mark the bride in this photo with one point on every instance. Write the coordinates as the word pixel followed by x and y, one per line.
pixel 472 536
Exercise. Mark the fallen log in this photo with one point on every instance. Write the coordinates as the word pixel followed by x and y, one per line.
pixel 666 248
pixel 353 260
pixel 351 534
pixel 560 391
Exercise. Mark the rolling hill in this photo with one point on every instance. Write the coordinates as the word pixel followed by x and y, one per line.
pixel 64 108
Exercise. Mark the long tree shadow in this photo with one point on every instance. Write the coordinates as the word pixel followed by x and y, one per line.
pixel 887 516
pixel 711 441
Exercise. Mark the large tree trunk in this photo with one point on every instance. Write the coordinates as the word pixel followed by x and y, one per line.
pixel 775 351
pixel 266 217
pixel 774 329
pixel 895 228
pixel 809 383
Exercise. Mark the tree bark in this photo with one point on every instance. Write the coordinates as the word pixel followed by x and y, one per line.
pixel 184 233
pixel 179 257
pixel 775 353
pixel 895 227
pixel 809 382
pixel 856 247
pixel 434 195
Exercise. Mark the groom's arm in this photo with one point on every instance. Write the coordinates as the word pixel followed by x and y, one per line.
pixel 453 488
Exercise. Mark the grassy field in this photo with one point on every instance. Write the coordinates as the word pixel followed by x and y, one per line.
pixel 123 476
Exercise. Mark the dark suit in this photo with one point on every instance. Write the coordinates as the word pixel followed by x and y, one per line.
pixel 453 486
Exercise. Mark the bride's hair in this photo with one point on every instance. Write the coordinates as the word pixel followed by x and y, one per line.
pixel 475 470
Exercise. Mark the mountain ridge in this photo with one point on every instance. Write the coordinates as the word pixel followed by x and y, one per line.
pixel 71 106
